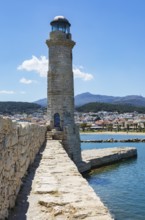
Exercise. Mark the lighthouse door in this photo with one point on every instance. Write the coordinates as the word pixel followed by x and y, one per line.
pixel 56 120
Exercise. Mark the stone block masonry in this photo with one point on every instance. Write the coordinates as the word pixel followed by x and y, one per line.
pixel 19 144
pixel 59 191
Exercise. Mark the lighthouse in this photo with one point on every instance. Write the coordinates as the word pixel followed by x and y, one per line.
pixel 60 91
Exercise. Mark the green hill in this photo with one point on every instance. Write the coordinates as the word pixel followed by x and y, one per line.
pixel 18 107
pixel 120 108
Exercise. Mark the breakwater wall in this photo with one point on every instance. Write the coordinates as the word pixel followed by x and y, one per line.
pixel 19 144
pixel 102 157
pixel 112 140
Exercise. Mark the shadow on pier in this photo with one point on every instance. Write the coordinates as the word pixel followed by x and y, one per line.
pixel 22 204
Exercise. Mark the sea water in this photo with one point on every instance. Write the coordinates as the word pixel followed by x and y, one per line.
pixel 120 186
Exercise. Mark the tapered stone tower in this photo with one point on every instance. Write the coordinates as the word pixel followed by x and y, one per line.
pixel 61 87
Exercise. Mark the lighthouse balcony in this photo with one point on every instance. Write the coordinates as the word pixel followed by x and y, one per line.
pixel 59 35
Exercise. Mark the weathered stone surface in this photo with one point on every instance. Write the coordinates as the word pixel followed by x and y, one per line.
pixel 19 144
pixel 60 192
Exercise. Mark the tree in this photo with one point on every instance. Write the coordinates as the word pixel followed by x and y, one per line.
pixel 83 126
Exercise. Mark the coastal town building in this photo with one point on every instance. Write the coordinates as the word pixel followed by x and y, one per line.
pixel 99 121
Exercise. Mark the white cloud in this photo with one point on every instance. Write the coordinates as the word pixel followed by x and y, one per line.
pixel 40 65
pixel 7 92
pixel 80 74
pixel 27 81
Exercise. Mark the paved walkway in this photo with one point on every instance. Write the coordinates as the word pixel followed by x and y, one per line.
pixel 55 190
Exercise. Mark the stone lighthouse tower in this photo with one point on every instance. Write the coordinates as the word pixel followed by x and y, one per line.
pixel 61 88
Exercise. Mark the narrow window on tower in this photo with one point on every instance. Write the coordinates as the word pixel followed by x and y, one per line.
pixel 56 120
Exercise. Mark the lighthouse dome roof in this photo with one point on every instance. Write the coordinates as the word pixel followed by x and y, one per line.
pixel 59 19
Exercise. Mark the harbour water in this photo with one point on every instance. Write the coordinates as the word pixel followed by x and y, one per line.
pixel 120 186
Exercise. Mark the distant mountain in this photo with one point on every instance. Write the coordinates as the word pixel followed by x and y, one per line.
pixel 132 100
pixel 42 102
pixel 87 97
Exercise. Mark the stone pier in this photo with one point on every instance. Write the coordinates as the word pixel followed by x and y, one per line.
pixel 59 191
pixel 54 189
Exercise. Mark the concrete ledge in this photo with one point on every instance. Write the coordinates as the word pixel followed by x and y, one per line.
pixel 102 157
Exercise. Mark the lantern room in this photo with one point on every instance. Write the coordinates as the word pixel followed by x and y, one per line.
pixel 60 23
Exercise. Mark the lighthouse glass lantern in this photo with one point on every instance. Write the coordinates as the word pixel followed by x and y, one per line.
pixel 60 24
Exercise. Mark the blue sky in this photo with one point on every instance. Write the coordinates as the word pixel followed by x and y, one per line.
pixel 108 59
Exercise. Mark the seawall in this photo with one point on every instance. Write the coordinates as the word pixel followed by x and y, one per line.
pixel 19 144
